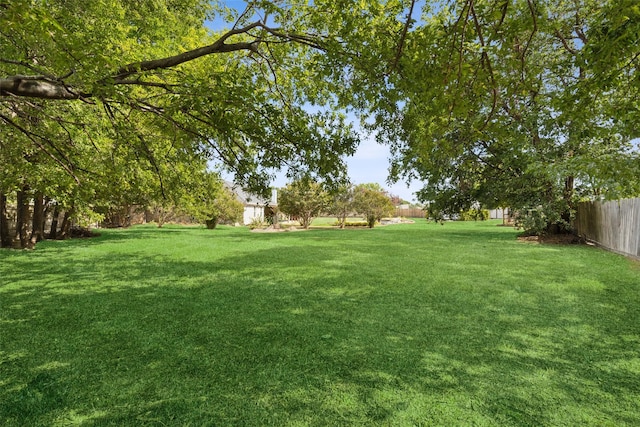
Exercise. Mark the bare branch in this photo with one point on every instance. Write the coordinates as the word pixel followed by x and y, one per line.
pixel 305 39
pixel 47 87
pixel 534 18
pixel 138 82
pixel 25 65
pixel 246 11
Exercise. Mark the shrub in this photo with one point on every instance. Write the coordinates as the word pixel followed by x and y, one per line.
pixel 434 214
pixel 474 214
pixel 354 223
pixel 257 222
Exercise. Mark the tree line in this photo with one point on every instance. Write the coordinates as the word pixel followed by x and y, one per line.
pixel 530 104
pixel 305 200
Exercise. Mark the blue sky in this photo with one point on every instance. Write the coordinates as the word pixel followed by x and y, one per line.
pixel 369 164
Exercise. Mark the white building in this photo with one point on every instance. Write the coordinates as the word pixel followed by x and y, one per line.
pixel 255 207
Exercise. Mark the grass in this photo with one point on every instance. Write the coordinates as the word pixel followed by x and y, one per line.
pixel 415 324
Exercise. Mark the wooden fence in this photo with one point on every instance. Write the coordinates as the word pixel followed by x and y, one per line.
pixel 410 213
pixel 614 225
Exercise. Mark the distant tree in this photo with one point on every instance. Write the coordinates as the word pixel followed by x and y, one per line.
pixel 304 200
pixel 397 200
pixel 373 202
pixel 211 202
pixel 227 208
pixel 341 203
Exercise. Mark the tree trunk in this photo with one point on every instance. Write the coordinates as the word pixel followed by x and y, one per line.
pixel 5 238
pixel 22 237
pixel 37 224
pixel 65 228
pixel 160 216
pixel 45 214
pixel 148 215
pixel 53 233
pixel 563 226
pixel 568 198
pixel 371 221
pixel 342 220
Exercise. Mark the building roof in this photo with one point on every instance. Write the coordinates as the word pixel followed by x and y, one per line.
pixel 249 199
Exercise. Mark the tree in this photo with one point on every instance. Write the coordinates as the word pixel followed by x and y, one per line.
pixel 304 200
pixel 373 202
pixel 530 104
pixel 612 54
pixel 124 83
pixel 237 94
pixel 210 201
pixel 227 208
pixel 500 107
pixel 341 203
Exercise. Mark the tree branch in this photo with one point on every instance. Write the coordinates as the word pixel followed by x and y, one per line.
pixel 25 65
pixel 32 137
pixel 403 36
pixel 171 61
pixel 54 88
pixel 565 43
pixel 487 63
pixel 38 87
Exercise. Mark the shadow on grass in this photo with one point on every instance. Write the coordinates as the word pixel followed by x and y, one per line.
pixel 295 329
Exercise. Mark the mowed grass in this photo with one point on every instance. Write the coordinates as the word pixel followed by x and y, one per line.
pixel 417 324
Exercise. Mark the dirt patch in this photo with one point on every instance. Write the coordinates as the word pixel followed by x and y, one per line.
pixel 289 227
pixel 272 229
pixel 553 239
pixel 82 232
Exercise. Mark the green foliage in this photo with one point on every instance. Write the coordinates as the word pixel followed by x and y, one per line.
pixel 474 214
pixel 373 202
pixel 341 203
pixel 506 104
pixel 612 51
pixel 210 201
pixel 433 214
pixel 161 94
pixel 303 200
pixel 535 221
pixel 520 104
pixel 257 222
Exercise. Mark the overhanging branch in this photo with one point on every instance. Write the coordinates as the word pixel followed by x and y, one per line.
pixel 38 87
pixel 56 89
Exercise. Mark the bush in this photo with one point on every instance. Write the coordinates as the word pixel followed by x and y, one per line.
pixel 257 222
pixel 354 223
pixel 474 215
pixel 432 213
pixel 540 221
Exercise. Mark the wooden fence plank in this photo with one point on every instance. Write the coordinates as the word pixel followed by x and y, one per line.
pixel 614 225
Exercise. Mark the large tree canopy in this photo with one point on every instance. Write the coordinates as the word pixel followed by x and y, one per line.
pixel 530 104
pixel 527 104
pixel 255 97
pixel 110 102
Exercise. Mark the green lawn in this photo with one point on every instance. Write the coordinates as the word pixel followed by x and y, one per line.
pixel 417 324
